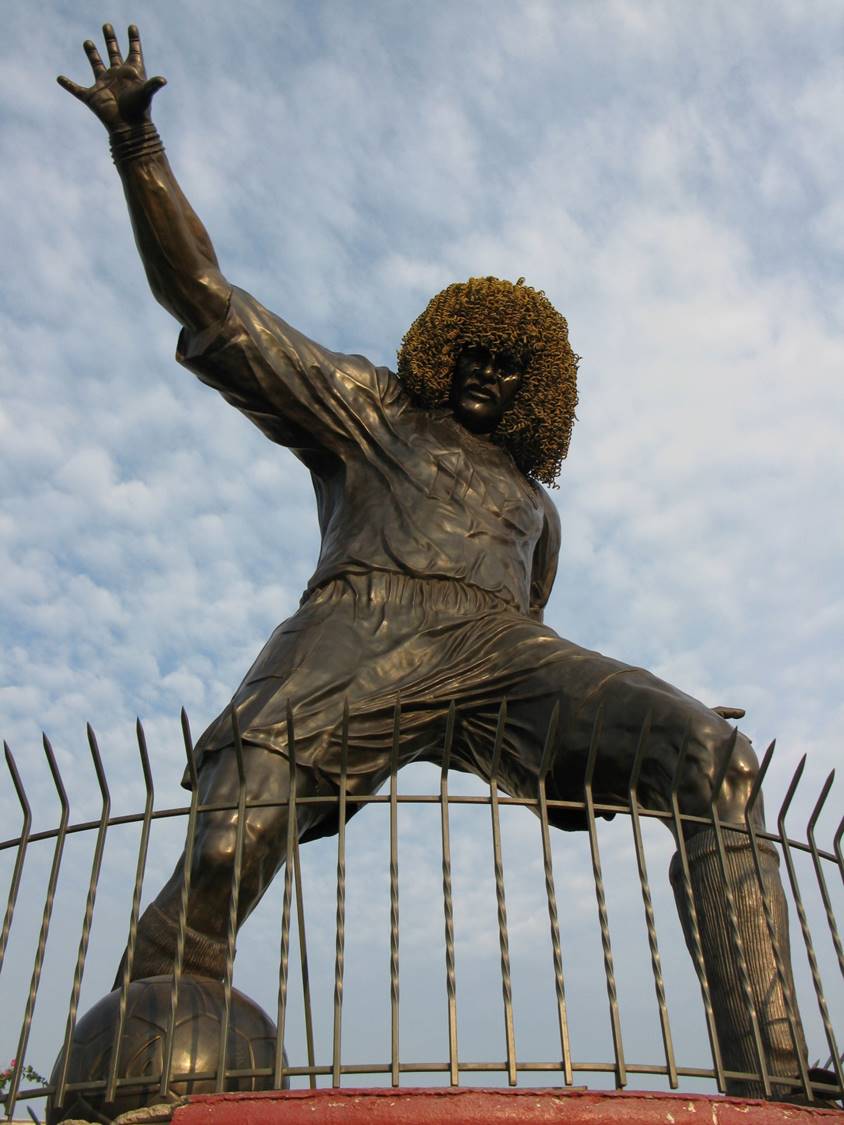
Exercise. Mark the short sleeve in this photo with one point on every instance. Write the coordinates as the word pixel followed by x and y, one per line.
pixel 545 556
pixel 298 393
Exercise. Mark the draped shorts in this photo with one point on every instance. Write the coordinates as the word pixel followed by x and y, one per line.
pixel 370 640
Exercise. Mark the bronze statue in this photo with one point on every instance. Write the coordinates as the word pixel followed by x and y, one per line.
pixel 439 550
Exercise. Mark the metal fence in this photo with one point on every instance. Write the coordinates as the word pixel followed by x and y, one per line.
pixel 563 1069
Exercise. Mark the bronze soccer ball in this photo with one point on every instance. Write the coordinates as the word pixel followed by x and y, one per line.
pixel 196 1039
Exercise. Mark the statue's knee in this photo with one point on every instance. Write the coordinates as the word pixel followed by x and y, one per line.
pixel 216 847
pixel 265 831
pixel 741 776
pixel 703 781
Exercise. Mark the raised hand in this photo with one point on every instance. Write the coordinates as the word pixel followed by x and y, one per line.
pixel 122 93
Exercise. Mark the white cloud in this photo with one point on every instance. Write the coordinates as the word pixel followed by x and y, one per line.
pixel 668 175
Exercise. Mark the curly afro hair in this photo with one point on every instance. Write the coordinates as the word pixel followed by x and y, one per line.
pixel 512 320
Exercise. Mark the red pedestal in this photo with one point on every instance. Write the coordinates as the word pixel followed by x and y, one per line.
pixel 486 1107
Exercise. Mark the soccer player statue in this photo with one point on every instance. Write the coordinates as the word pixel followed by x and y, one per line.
pixel 439 550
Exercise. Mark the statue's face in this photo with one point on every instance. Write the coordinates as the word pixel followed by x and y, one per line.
pixel 484 386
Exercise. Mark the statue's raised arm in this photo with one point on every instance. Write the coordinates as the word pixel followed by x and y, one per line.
pixel 177 254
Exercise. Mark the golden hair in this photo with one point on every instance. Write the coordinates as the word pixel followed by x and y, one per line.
pixel 511 320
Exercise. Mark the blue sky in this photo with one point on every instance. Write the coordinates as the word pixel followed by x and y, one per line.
pixel 668 173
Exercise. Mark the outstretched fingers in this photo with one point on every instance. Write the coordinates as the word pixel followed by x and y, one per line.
pixel 73 88
pixel 121 93
pixel 142 97
pixel 152 86
pixel 97 64
pixel 136 51
pixel 112 46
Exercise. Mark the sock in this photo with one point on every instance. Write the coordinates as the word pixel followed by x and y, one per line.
pixel 155 950
pixel 732 1017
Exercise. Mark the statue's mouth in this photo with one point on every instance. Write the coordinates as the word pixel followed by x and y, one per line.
pixel 482 394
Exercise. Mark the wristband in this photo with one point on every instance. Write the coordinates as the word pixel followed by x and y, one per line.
pixel 134 142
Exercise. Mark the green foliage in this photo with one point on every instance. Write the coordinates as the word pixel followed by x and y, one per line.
pixel 27 1073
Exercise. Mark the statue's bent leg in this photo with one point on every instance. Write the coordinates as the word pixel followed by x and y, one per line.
pixel 626 697
pixel 213 859
pixel 676 719
pixel 546 678
pixel 780 1031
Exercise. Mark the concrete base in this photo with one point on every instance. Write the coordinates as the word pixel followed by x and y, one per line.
pixel 467 1106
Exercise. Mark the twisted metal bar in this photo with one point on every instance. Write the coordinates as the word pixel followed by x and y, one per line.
pixel 278 1066
pixel 816 861
pixel 448 905
pixel 551 895
pixel 601 899
pixel 694 927
pixel 143 847
pixel 96 865
pixel 340 926
pixel 23 1040
pixel 732 914
pixel 394 898
pixel 190 838
pixel 647 902
pixel 804 921
pixel 234 902
pixel 500 898
pixel 303 960
pixel 20 855
pixel 779 960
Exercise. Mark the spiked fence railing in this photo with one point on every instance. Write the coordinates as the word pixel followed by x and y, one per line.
pixel 827 866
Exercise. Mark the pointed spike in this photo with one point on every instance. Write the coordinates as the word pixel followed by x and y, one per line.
pixel 756 788
pixel 792 789
pixel 19 786
pixel 681 761
pixel 187 737
pixel 644 734
pixel 55 772
pixel 498 745
pixel 725 766
pixel 394 751
pixel 448 741
pixel 819 804
pixel 344 743
pixel 593 746
pixel 98 764
pixel 550 736
pixel 140 734
pixel 238 745
pixel 291 737
pixel 188 741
